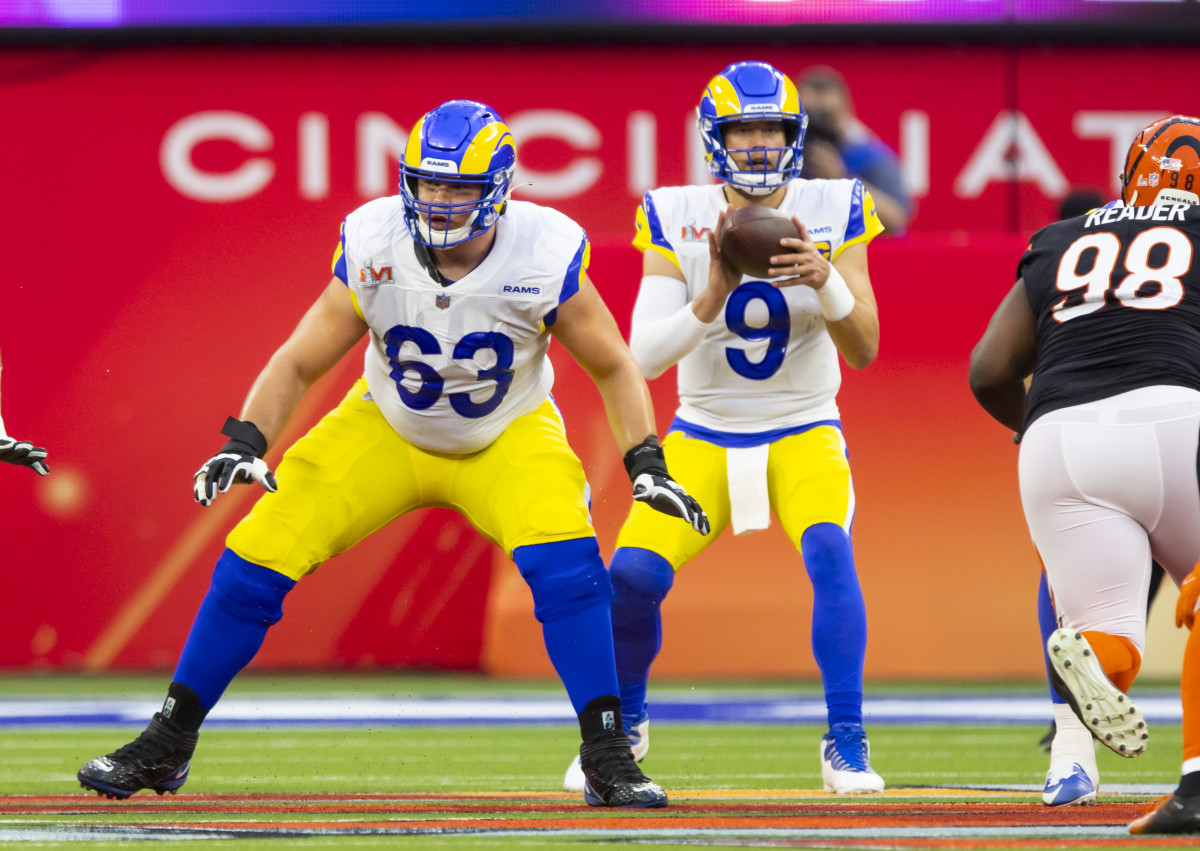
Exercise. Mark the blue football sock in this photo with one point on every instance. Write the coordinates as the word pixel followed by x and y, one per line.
pixel 581 654
pixel 839 623
pixel 571 596
pixel 1047 622
pixel 242 603
pixel 641 579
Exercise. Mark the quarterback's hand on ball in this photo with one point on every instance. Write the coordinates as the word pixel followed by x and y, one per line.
pixel 240 460
pixel 653 485
pixel 23 454
pixel 1189 593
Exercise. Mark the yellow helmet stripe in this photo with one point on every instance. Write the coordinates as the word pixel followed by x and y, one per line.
pixel 412 151
pixel 724 97
pixel 791 97
pixel 490 138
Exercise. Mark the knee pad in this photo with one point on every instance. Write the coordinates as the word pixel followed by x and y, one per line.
pixel 565 577
pixel 641 573
pixel 249 591
pixel 826 549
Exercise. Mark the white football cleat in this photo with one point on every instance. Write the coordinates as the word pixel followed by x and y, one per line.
pixel 1102 707
pixel 1069 786
pixel 1074 776
pixel 845 762
pixel 639 743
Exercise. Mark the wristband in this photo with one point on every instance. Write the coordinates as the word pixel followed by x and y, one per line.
pixel 646 457
pixel 835 297
pixel 247 433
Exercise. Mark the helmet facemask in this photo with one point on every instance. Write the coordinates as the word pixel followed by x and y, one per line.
pixel 778 165
pixel 484 212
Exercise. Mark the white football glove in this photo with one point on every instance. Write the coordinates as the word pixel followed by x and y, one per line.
pixel 662 493
pixel 653 485
pixel 23 454
pixel 240 460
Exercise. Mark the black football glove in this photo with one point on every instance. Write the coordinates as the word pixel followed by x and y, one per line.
pixel 240 460
pixel 23 454
pixel 653 485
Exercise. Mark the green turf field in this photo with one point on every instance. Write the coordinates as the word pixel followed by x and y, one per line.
pixel 514 771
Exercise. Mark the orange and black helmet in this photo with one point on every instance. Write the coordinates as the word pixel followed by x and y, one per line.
pixel 1163 164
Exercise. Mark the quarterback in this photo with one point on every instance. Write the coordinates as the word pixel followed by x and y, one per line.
pixel 459 290
pixel 757 429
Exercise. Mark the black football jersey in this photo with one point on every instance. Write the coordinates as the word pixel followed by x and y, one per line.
pixel 1116 294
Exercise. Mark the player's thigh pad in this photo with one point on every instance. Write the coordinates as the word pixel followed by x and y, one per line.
pixel 527 487
pixel 350 475
pixel 808 478
pixel 699 466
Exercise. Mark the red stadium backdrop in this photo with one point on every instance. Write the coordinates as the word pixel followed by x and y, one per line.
pixel 169 213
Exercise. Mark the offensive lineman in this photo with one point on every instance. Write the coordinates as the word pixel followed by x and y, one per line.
pixel 453 409
pixel 758 428
pixel 1105 315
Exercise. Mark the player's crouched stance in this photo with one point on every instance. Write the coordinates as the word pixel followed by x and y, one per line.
pixel 453 409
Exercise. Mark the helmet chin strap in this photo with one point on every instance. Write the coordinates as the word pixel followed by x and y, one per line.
pixel 767 181
pixel 445 236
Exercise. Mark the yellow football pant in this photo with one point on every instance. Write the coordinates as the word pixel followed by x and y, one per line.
pixel 352 474
pixel 808 481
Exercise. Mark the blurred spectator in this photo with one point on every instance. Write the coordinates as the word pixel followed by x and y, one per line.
pixel 1080 200
pixel 839 145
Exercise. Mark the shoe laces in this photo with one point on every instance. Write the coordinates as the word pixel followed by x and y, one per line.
pixel 613 761
pixel 845 748
pixel 155 742
pixel 1063 772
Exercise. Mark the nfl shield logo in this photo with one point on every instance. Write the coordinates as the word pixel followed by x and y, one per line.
pixel 443 301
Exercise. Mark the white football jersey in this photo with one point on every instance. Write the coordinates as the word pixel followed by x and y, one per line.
pixel 450 367
pixel 769 362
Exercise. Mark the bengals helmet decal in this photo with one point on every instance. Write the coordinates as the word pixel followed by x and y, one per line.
pixel 1163 164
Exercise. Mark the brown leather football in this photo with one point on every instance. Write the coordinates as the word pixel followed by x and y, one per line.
pixel 750 238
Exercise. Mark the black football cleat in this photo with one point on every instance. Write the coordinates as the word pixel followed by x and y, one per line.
pixel 1175 814
pixel 158 759
pixel 612 777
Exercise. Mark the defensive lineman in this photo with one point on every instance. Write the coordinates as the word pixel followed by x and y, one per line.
pixel 1105 315
pixel 758 427
pixel 453 410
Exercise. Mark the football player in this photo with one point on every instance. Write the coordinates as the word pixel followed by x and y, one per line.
pixel 459 290
pixel 1105 317
pixel 758 428
pixel 22 453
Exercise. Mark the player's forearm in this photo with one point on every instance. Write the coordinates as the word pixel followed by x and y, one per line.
pixel 857 336
pixel 274 396
pixel 627 403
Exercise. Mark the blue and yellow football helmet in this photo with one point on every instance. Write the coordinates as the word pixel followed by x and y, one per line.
pixel 462 141
pixel 752 91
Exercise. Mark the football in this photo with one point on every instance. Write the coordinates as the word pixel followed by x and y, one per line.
pixel 750 238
